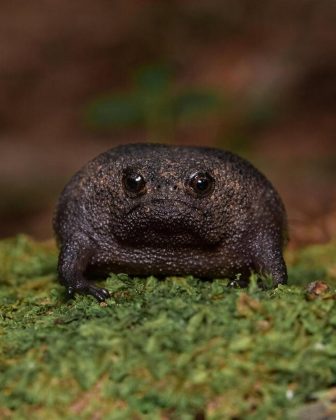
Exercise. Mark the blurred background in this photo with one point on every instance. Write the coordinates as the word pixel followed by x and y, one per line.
pixel 258 78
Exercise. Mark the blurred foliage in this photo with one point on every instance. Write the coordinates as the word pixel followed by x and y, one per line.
pixel 159 106
pixel 179 348
pixel 154 103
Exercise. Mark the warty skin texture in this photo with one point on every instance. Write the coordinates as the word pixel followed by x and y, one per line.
pixel 235 225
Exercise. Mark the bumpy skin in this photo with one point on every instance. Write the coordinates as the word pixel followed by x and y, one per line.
pixel 238 226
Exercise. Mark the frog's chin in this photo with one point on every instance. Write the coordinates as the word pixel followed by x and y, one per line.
pixel 163 223
pixel 161 235
pixel 154 239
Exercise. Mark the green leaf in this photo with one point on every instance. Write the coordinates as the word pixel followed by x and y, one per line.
pixel 155 79
pixel 120 110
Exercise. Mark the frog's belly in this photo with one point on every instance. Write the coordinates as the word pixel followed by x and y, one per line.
pixel 200 263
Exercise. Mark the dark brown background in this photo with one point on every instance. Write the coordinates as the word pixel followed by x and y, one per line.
pixel 56 57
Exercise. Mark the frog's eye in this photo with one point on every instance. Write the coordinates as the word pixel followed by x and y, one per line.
pixel 134 183
pixel 201 183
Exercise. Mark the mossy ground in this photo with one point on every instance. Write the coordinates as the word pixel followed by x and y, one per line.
pixel 179 348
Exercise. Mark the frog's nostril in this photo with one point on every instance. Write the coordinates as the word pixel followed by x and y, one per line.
pixel 166 187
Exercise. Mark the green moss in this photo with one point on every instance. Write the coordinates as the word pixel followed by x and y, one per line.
pixel 174 348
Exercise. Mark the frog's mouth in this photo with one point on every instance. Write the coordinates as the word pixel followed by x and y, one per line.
pixel 166 223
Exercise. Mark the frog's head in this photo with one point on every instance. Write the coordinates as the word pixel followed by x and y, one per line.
pixel 166 196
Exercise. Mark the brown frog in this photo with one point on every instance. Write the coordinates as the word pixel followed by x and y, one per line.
pixel 151 209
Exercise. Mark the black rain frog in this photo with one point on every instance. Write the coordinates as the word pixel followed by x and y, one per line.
pixel 151 209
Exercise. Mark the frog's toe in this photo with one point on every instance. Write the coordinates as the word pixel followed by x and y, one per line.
pixel 70 291
pixel 99 293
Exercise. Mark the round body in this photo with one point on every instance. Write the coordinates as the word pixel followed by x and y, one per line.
pixel 150 209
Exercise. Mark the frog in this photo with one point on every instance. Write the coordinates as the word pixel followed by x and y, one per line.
pixel 149 209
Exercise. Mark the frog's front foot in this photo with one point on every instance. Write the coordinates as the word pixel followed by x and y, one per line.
pixel 100 293
pixel 237 283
